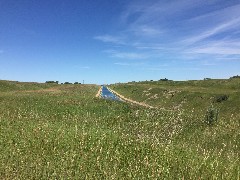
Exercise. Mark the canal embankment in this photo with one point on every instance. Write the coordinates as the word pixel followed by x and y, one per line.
pixel 98 95
pixel 129 100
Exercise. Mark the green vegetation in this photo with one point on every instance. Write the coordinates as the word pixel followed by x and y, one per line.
pixel 211 115
pixel 237 76
pixel 50 131
pixel 11 86
pixel 188 96
pixel 77 83
pixel 53 82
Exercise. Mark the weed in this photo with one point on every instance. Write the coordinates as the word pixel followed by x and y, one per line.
pixel 211 116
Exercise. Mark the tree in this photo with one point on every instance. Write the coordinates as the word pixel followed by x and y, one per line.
pixel 165 79
pixel 237 76
pixel 52 82
pixel 67 83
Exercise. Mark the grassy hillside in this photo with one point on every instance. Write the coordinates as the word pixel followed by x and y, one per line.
pixel 187 96
pixel 63 131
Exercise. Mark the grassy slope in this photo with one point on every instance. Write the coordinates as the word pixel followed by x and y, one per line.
pixel 66 132
pixel 189 96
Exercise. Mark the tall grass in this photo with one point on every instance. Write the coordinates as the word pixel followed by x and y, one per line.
pixel 72 135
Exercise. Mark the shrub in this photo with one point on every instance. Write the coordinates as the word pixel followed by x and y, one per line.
pixel 211 115
pixel 221 98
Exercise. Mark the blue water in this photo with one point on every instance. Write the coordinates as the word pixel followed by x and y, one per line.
pixel 106 94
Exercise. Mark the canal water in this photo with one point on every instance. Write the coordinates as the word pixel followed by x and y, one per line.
pixel 106 94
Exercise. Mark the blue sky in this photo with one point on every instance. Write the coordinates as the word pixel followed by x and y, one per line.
pixel 112 41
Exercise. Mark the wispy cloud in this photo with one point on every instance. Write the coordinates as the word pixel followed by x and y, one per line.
pixel 187 28
pixel 81 67
pixel 152 12
pixel 126 55
pixel 149 47
pixel 223 47
pixel 84 67
pixel 223 27
pixel 208 63
pixel 217 50
pixel 146 30
pixel 156 69
pixel 110 39
pixel 129 64
pixel 1 51
pixel 122 64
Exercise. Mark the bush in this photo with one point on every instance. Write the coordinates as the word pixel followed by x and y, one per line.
pixel 211 115
pixel 221 98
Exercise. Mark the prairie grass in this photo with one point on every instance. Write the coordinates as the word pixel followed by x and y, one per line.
pixel 73 135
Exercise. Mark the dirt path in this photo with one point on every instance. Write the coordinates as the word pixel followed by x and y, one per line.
pixel 99 92
pixel 130 100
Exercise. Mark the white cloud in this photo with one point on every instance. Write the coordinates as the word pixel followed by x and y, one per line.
pixel 126 55
pixel 149 12
pixel 225 26
pixel 128 64
pixel 157 69
pixel 222 47
pixel 123 64
pixel 208 63
pixel 81 67
pixel 84 67
pixel 217 50
pixel 146 31
pixel 218 15
pixel 110 39
pixel 178 29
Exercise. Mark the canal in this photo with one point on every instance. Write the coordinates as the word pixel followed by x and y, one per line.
pixel 106 94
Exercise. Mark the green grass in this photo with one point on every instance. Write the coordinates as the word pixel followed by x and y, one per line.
pixel 67 133
pixel 188 96
pixel 6 86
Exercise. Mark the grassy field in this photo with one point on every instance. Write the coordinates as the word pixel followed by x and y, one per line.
pixel 63 132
